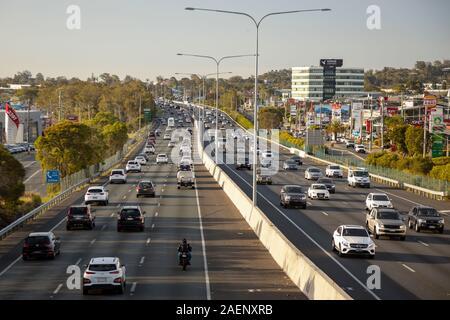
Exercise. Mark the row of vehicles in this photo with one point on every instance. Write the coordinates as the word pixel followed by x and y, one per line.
pixel 19 147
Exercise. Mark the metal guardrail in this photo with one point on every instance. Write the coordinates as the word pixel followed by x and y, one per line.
pixel 103 167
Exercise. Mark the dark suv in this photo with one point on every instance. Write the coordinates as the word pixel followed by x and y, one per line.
pixel 41 244
pixel 145 188
pixel 131 217
pixel 421 218
pixel 80 217
pixel 292 196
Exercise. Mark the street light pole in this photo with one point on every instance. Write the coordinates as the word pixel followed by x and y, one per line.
pixel 255 108
pixel 217 61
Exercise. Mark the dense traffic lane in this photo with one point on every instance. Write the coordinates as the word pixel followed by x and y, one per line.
pixel 395 258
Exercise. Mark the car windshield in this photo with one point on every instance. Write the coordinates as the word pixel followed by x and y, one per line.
pixel 162 156
pixel 102 267
pixel 354 233
pixel 290 162
pixel 116 172
pixel 360 173
pixel 335 167
pixel 130 212
pixel 95 190
pixel 391 215
pixel 37 240
pixel 380 197
pixel 78 211
pixel 319 187
pixel 430 212
pixel 132 162
pixel 145 185
pixel 294 190
pixel 313 170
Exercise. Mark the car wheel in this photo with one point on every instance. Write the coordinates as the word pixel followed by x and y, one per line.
pixel 371 256
pixel 119 229
pixel 410 224
pixel 333 247
pixel 141 229
pixel 377 236
pixel 403 238
pixel 340 254
pixel 441 230
pixel 85 291
pixel 416 227
pixel 24 258
pixel 52 256
pixel 67 228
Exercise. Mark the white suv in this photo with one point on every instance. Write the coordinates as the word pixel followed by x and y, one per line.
pixel 378 200
pixel 96 194
pixel 162 158
pixel 334 170
pixel 133 166
pixel 141 160
pixel 118 175
pixel 360 148
pixel 104 273
pixel 348 239
pixel 313 173
pixel 318 191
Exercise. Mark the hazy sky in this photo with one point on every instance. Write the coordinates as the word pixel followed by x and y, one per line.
pixel 141 37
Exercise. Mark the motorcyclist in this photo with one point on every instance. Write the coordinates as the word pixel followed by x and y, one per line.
pixel 184 247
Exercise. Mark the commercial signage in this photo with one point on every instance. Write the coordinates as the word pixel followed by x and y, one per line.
pixel 147 115
pixel 12 114
pixel 329 76
pixel 392 111
pixel 293 110
pixel 52 176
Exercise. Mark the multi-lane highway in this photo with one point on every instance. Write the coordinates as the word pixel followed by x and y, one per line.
pixel 33 173
pixel 228 261
pixel 418 268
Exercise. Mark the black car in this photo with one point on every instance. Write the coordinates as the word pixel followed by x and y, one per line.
pixel 184 167
pixel 145 188
pixel 420 218
pixel 297 159
pixel 131 217
pixel 80 217
pixel 292 196
pixel 243 164
pixel 41 244
pixel 328 183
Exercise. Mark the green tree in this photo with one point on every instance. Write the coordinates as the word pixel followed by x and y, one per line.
pixel 335 127
pixel 11 184
pixel 270 118
pixel 414 140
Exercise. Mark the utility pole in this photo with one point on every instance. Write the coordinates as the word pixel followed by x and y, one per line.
pixel 382 123
pixel 28 123
pixel 60 107
pixel 371 123
pixel 425 132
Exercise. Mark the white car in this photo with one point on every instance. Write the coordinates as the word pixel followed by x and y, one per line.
pixel 162 158
pixel 334 171
pixel 149 149
pixel 318 191
pixel 378 200
pixel 266 163
pixel 186 160
pixel 360 148
pixel 267 154
pixel 167 136
pixel 133 166
pixel 349 239
pixel 104 273
pixel 313 173
pixel 97 194
pixel 118 175
pixel 141 160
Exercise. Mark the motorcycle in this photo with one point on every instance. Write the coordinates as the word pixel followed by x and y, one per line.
pixel 184 260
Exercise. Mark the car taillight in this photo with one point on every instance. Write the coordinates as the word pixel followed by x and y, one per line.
pixel 118 280
pixel 90 272
pixel 114 272
pixel 86 280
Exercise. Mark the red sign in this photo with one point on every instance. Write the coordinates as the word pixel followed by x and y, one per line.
pixel 12 114
pixel 392 111
pixel 368 126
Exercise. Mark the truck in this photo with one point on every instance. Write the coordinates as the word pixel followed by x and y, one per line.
pixel 185 179
pixel 358 177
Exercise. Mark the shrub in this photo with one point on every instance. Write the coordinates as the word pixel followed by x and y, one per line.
pixel 291 140
pixel 441 172
pixel 441 161
pixel 421 165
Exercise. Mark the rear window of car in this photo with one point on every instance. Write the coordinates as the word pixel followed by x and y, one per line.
pixel 145 185
pixel 380 198
pixel 102 267
pixel 430 212
pixel 319 187
pixel 116 172
pixel 391 215
pixel 95 190
pixel 291 162
pixel 132 162
pixel 313 170
pixel 78 211
pixel 335 167
pixel 37 240
pixel 130 213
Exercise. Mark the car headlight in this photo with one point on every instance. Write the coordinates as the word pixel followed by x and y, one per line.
pixel 288 198
pixel 380 225
pixel 371 245
pixel 420 221
pixel 441 221
pixel 390 205
pixel 402 226
pixel 375 205
pixel 345 243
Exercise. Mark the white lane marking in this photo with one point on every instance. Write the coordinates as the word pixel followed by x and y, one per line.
pixel 58 288
pixel 30 164
pixel 159 204
pixel 30 177
pixel 129 190
pixel 325 213
pixel 153 225
pixel 311 239
pixel 104 227
pixel 148 241
pixel 133 287
pixel 10 265
pixel 78 262
pixel 205 262
pixel 93 241
pixel 416 203
pixel 57 225
pixel 409 268
pixel 112 214
pixel 142 260
pixel 423 243
pixel 444 211
pixel 124 197
pixel 156 214
pixel 309 203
